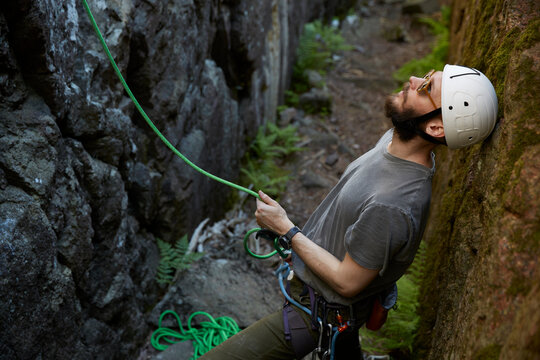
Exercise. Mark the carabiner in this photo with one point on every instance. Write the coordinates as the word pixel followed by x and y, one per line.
pixel 318 349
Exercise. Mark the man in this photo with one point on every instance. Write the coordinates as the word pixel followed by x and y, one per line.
pixel 365 233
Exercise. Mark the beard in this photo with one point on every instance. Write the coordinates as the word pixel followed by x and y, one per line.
pixel 402 118
pixel 395 112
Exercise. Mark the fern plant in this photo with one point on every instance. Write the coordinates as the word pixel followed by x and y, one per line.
pixel 173 258
pixel 271 144
pixel 317 45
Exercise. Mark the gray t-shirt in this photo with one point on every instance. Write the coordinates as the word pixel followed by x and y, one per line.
pixel 377 213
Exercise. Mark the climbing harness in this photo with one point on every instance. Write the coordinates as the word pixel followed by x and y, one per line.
pixel 328 333
pixel 330 329
pixel 209 335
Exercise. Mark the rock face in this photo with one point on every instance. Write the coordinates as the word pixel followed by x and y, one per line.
pixel 480 297
pixel 85 186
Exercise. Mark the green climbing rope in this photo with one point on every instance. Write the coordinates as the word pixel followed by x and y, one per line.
pixel 169 145
pixel 143 113
pixel 278 249
pixel 207 336
pixel 214 332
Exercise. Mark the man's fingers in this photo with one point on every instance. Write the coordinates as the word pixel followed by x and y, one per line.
pixel 262 209
pixel 267 199
pixel 262 205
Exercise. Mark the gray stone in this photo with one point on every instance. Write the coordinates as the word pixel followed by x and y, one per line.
pixel 321 139
pixel 316 100
pixel 311 180
pixel 315 79
pixel 179 351
pixel 34 285
pixel 287 116
pixel 394 32
pixel 199 286
pixel 332 159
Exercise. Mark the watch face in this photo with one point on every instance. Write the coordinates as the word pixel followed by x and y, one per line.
pixel 284 242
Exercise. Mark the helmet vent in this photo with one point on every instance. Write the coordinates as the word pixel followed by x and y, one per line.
pixel 466 103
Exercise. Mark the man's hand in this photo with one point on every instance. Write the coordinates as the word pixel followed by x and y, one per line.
pixel 270 215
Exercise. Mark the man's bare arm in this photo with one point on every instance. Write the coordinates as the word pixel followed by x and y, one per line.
pixel 346 277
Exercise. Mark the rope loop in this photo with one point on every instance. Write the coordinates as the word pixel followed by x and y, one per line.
pixel 278 249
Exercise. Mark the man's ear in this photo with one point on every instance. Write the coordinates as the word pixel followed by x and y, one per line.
pixel 435 128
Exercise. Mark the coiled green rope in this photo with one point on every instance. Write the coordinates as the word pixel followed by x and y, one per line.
pixel 209 335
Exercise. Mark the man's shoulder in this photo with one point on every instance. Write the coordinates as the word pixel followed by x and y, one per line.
pixel 385 138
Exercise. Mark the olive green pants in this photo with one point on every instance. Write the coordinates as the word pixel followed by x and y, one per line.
pixel 265 339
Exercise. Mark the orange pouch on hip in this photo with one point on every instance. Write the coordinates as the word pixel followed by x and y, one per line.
pixel 378 316
pixel 384 301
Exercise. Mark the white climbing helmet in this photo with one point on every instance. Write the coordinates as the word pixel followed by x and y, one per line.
pixel 469 106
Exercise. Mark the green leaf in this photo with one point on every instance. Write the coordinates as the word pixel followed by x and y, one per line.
pixel 173 259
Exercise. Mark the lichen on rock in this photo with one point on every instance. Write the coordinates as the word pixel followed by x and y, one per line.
pixel 485 209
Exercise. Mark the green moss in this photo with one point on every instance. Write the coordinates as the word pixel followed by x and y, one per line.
pixel 501 55
pixel 485 52
pixel 510 51
pixel 498 65
pixel 490 352
pixel 512 44
pixel 479 39
pixel 530 36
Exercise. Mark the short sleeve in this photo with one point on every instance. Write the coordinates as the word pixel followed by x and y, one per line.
pixel 377 235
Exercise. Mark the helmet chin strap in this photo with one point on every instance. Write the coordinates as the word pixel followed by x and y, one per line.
pixel 422 118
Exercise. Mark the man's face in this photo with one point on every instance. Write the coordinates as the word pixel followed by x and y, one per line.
pixel 418 103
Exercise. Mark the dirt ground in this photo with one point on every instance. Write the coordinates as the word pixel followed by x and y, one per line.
pixel 383 40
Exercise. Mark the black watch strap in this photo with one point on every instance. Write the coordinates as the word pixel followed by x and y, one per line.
pixel 285 240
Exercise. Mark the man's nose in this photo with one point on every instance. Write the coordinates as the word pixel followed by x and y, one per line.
pixel 415 82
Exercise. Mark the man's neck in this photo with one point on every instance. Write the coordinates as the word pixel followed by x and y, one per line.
pixel 416 150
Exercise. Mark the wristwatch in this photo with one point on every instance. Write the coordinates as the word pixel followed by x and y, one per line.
pixel 285 240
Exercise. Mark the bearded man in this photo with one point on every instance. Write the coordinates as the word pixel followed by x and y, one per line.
pixel 364 235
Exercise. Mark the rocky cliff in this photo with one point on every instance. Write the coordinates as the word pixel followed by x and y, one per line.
pixel 481 294
pixel 86 187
